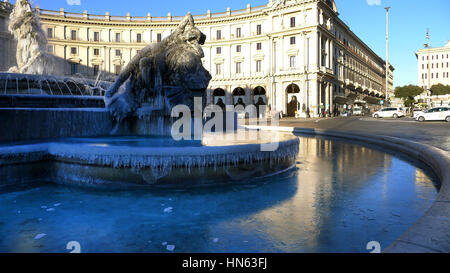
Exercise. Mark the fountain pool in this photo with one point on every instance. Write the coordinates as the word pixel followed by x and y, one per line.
pixel 340 196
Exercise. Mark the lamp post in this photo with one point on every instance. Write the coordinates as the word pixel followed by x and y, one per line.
pixel 387 52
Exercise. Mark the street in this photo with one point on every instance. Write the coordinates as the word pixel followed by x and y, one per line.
pixel 436 134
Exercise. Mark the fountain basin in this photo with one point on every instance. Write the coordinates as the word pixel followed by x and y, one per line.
pixel 127 162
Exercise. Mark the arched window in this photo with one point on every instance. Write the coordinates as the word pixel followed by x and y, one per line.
pixel 293 88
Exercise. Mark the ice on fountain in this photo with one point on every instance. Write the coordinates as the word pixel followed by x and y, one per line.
pixel 31 54
pixel 161 160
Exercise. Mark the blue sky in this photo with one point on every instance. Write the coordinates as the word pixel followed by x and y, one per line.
pixel 409 20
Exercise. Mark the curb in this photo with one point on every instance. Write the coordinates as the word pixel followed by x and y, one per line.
pixel 431 233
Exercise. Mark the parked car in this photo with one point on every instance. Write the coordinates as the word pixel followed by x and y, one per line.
pixel 345 114
pixel 436 113
pixel 389 112
pixel 417 111
pixel 357 111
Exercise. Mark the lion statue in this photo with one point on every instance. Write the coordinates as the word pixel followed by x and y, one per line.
pixel 31 54
pixel 171 69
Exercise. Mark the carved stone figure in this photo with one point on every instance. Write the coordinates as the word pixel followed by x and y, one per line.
pixel 31 54
pixel 168 73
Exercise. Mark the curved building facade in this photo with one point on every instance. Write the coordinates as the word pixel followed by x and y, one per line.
pixel 295 56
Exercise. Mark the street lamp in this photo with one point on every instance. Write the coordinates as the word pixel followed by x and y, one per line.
pixel 387 51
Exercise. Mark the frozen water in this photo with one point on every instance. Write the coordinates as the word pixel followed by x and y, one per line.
pixel 168 210
pixel 279 214
pixel 170 247
pixel 39 236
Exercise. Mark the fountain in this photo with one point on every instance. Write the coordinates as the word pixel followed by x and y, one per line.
pixel 158 97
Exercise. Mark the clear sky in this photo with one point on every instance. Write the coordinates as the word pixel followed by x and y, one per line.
pixel 409 20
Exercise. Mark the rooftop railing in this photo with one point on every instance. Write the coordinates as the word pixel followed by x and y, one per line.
pixel 148 18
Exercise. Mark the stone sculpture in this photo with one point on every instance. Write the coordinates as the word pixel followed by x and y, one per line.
pixel 171 70
pixel 31 54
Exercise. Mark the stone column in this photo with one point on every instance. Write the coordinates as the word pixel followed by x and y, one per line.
pixel 327 97
pixel 319 96
pixel 332 99
pixel 319 51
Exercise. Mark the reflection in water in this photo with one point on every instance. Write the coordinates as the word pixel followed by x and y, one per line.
pixel 340 197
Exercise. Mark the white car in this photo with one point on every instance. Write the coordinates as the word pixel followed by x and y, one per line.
pixel 437 113
pixel 417 113
pixel 357 111
pixel 389 112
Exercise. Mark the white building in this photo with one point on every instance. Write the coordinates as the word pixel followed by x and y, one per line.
pixel 433 66
pixel 274 52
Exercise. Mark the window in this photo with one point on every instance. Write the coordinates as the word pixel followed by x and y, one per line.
pixel 96 36
pixel 117 69
pixel 96 52
pixel 258 30
pixel 423 66
pixel 96 69
pixel 218 50
pixel 238 68
pixel 238 48
pixel 73 68
pixel 292 40
pixel 118 53
pixel 158 37
pixel 73 35
pixel 73 50
pixel 219 34
pixel 50 33
pixel 218 69
pixel 50 49
pixel 238 32
pixel 292 61
pixel 292 21
pixel 139 38
pixel 117 37
pixel 258 66
pixel 258 46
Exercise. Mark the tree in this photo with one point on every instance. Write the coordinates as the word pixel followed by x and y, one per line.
pixel 440 89
pixel 407 93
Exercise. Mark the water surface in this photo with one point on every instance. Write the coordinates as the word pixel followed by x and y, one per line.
pixel 340 197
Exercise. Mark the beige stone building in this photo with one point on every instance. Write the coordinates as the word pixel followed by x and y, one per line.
pixel 270 53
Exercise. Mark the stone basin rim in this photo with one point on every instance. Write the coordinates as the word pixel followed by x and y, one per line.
pixel 430 233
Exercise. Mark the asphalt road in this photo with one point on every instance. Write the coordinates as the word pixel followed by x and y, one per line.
pixel 432 133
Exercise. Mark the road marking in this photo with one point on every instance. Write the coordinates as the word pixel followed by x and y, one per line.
pixel 388 120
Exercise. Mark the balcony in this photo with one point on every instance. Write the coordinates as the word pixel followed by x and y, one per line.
pixel 327 71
